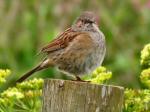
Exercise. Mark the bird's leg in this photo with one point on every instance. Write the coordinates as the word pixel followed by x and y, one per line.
pixel 79 79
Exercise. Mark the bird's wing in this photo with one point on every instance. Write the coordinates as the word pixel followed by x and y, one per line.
pixel 62 41
pixel 83 41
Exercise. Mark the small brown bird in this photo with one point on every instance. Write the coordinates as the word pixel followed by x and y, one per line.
pixel 76 51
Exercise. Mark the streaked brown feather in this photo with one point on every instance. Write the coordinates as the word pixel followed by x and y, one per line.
pixel 61 41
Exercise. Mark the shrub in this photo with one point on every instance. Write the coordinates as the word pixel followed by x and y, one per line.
pixel 145 77
pixel 3 75
pixel 145 56
pixel 25 97
pixel 139 100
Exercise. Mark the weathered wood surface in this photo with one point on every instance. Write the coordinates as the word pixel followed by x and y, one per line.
pixel 72 96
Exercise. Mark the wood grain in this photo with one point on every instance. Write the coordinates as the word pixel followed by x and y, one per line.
pixel 72 96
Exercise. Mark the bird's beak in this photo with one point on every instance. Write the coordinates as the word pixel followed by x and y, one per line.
pixel 79 23
pixel 95 26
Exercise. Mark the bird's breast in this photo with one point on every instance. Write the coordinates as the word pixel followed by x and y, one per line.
pixel 99 49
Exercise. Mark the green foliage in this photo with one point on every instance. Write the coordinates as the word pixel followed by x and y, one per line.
pixel 145 56
pixel 34 84
pixel 145 77
pixel 25 97
pixel 3 75
pixel 99 76
pixel 137 100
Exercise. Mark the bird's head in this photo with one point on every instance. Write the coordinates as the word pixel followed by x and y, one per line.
pixel 86 21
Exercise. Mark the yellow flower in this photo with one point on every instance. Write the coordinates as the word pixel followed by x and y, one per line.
pixel 12 93
pixel 3 75
pixel 145 56
pixel 33 84
pixel 145 77
pixel 100 75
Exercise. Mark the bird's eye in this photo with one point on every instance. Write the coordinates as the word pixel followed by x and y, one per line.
pixel 88 21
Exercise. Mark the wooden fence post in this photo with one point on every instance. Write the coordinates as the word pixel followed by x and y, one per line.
pixel 72 96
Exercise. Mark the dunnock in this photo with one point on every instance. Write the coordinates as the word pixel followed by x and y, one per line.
pixel 77 51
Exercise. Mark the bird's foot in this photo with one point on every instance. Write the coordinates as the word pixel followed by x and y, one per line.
pixel 79 79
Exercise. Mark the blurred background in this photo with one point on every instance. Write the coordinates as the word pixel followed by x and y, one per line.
pixel 27 25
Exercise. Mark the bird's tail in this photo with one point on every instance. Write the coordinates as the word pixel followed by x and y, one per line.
pixel 26 75
pixel 45 64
